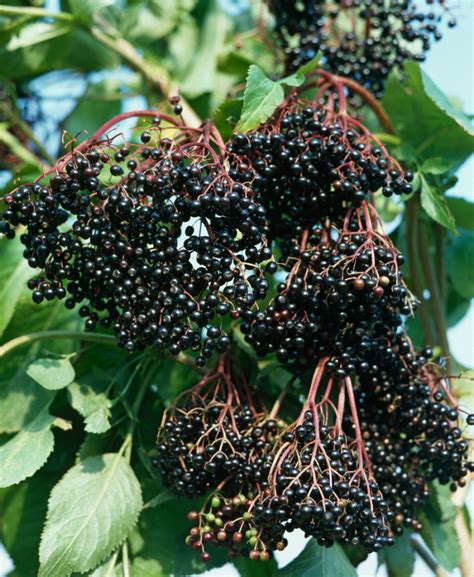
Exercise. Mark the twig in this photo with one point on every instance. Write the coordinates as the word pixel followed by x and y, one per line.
pixel 412 224
pixel 436 304
pixel 427 557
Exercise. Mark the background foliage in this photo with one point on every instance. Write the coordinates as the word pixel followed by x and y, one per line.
pixel 78 416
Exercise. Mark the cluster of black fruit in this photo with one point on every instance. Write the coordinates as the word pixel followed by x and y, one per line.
pixel 339 298
pixel 212 432
pixel 410 429
pixel 360 39
pixel 155 241
pixel 308 165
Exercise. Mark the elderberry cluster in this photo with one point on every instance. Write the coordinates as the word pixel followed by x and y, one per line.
pixel 156 242
pixel 306 166
pixel 338 299
pixel 213 433
pixel 411 432
pixel 360 39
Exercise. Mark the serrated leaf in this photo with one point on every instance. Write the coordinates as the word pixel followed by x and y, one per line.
pixel 435 205
pixel 400 558
pixel 92 405
pixel 261 98
pixel 52 374
pixel 316 560
pixel 14 273
pixel 79 533
pixel 460 260
pixel 27 451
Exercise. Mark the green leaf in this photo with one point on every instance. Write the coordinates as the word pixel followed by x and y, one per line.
pixel 201 76
pixel 92 111
pixel 43 47
pixel 21 400
pixel 80 533
pixel 162 543
pixel 457 307
pixel 22 520
pixel 462 211
pixel 435 205
pixel 14 273
pixel 226 115
pixel 316 560
pixel 248 568
pixel 52 374
pixel 94 406
pixel 87 10
pixel 460 259
pixel 465 389
pixel 424 119
pixel 400 558
pixel 310 65
pixel 261 98
pixel 27 451
pixel 439 532
pixel 436 166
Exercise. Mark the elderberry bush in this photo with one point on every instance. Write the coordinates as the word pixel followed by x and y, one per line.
pixel 360 39
pixel 156 241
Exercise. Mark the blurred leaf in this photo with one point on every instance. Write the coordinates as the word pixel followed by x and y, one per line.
pixel 17 147
pixel 436 166
pixel 108 505
pixel 462 211
pixel 87 10
pixel 94 109
pixel 93 405
pixel 400 558
pixel 146 22
pixel 52 374
pixel 439 532
pixel 465 389
pixel 201 77
pixel 173 379
pixel 457 307
pixel 14 273
pixel 22 520
pixel 425 120
pixel 42 47
pixel 434 203
pixel 317 560
pixel 27 451
pixel 261 98
pixel 460 261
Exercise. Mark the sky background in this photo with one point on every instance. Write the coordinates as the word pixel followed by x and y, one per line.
pixel 450 65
